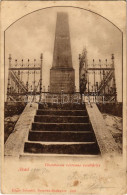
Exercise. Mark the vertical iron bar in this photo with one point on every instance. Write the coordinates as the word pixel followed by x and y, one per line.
pixel 104 81
pixel 106 63
pixel 88 84
pixel 41 63
pixel 34 75
pixel 114 84
pixel 79 72
pixel 100 70
pixel 22 70
pixel 28 77
pixel 106 72
pixel 8 88
pixel 94 73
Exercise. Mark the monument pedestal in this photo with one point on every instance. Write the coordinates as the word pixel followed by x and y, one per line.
pixel 62 79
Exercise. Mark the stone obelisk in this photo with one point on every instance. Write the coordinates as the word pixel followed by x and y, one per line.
pixel 62 74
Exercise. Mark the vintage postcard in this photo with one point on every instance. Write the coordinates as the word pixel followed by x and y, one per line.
pixel 63 97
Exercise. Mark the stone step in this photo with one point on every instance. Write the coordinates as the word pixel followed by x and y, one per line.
pixel 62 112
pixel 61 126
pixel 61 147
pixel 61 119
pixel 50 106
pixel 68 136
pixel 37 156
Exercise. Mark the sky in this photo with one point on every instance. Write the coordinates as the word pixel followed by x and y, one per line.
pixel 35 33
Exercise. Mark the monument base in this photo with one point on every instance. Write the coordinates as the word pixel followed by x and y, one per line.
pixel 62 79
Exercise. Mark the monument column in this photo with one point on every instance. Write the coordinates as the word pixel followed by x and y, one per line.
pixel 62 74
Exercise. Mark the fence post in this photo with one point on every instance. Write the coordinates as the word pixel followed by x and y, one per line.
pixel 41 58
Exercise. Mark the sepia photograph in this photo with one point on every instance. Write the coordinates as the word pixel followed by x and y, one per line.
pixel 64 97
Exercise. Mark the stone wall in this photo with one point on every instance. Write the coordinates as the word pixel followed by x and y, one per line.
pixel 13 108
pixel 12 113
pixel 111 108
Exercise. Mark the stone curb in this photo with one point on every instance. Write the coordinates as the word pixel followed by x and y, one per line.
pixel 104 138
pixel 14 145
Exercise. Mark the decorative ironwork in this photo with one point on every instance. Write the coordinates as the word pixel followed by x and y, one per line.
pixel 97 79
pixel 23 79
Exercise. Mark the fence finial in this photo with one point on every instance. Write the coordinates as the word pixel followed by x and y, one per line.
pixel 41 56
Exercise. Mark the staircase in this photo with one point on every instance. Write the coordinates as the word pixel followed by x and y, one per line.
pixel 61 129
